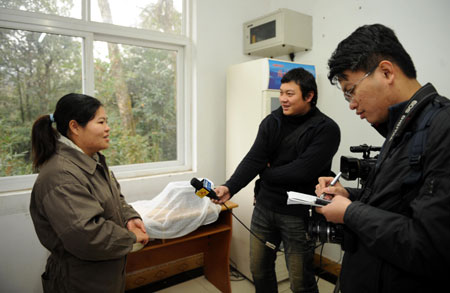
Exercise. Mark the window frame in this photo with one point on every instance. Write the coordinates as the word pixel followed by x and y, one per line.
pixel 94 31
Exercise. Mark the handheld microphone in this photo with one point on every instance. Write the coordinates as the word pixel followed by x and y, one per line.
pixel 204 188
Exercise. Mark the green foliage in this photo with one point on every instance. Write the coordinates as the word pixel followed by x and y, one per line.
pixel 57 7
pixel 36 72
pixel 31 81
pixel 14 149
pixel 126 149
pixel 161 17
pixel 154 107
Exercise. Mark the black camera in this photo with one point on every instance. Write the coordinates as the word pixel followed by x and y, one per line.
pixel 325 232
pixel 319 230
pixel 354 168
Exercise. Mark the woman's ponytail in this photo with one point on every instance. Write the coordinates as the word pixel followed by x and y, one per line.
pixel 43 140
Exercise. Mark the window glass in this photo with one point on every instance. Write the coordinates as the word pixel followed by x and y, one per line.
pixel 138 87
pixel 67 8
pixel 139 80
pixel 159 15
pixel 36 69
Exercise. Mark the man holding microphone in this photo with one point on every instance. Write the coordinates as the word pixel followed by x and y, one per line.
pixel 295 145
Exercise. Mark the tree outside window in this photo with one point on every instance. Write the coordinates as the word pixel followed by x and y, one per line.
pixel 137 84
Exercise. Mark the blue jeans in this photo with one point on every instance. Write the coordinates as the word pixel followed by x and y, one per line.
pixel 299 252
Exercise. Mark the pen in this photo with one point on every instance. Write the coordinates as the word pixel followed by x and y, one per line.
pixel 333 182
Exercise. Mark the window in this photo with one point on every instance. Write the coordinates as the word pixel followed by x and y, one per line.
pixel 35 69
pixel 68 8
pixel 147 83
pixel 163 16
pixel 128 54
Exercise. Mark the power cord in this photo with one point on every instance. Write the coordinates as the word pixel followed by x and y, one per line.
pixel 235 275
pixel 320 260
pixel 322 272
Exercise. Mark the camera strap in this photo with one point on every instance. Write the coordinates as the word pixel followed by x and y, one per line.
pixel 418 140
pixel 412 109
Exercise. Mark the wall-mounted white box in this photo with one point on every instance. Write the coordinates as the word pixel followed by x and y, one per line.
pixel 280 33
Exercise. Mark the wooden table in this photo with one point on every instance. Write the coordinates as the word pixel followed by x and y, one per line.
pixel 207 247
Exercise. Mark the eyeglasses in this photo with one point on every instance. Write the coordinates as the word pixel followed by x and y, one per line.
pixel 348 94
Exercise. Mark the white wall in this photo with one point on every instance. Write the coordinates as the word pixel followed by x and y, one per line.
pixel 421 26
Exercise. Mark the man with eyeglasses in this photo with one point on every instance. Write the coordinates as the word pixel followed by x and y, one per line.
pixel 400 219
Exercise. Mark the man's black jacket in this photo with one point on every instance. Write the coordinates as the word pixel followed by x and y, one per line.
pixel 403 231
pixel 290 153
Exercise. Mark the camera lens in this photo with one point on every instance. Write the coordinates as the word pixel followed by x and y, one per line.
pixel 325 232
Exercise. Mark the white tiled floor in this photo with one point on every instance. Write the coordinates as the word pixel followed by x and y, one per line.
pixel 201 285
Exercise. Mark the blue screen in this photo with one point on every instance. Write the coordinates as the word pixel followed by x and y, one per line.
pixel 279 68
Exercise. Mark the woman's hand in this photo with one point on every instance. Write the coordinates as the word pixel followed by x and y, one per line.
pixel 136 226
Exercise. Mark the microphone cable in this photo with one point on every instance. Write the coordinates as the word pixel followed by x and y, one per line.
pixel 266 243
pixel 205 188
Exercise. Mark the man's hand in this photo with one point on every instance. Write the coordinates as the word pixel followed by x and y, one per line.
pixel 330 191
pixel 334 211
pixel 223 193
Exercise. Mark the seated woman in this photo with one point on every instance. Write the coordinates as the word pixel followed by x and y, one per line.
pixel 78 211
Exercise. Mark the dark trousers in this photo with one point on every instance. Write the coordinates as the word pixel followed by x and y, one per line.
pixel 299 251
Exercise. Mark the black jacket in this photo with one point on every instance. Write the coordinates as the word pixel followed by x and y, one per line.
pixel 403 230
pixel 289 154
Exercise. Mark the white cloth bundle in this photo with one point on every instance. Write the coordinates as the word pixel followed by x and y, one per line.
pixel 176 211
